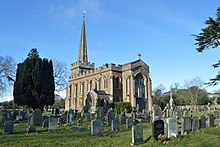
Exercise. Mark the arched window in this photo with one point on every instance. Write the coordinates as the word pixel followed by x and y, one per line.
pixel 139 86
pixel 105 83
pixel 117 82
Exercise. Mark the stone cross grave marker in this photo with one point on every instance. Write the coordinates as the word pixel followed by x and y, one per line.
pixel 137 135
pixel 211 120
pixel 186 124
pixel 172 129
pixel 110 117
pixel 52 123
pixel 195 123
pixel 8 127
pixel 202 122
pixel 129 123
pixel 115 125
pixel 36 117
pixel 96 126
pixel 157 128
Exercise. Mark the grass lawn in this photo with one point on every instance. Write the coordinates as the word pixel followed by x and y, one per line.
pixel 64 137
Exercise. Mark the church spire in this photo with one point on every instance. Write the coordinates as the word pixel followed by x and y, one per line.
pixel 82 54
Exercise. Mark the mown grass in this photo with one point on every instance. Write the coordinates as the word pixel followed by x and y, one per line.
pixel 65 137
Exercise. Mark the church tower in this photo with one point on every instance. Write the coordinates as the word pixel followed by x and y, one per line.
pixel 82 63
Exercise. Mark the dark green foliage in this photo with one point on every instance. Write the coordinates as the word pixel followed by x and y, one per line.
pixel 218 100
pixel 204 101
pixel 209 37
pixel 122 106
pixel 34 84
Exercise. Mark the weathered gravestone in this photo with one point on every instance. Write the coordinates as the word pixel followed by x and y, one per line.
pixel 115 125
pixel 96 126
pixel 2 120
pixel 157 113
pixel 157 128
pixel 172 129
pixel 195 123
pixel 8 127
pixel 129 123
pixel 137 135
pixel 186 124
pixel 44 117
pixel 211 120
pixel 88 117
pixel 70 116
pixel 122 118
pixel 36 117
pixel 110 117
pixel 45 123
pixel 52 123
pixel 202 122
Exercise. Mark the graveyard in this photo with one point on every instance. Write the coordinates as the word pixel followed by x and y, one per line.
pixel 194 128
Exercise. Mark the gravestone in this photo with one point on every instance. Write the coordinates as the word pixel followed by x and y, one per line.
pixel 215 114
pixel 36 117
pixel 96 126
pixel 211 120
pixel 137 135
pixel 52 123
pixel 110 117
pixel 88 117
pixel 129 123
pixel 115 125
pixel 8 127
pixel 2 120
pixel 45 123
pixel 31 129
pixel 122 118
pixel 186 124
pixel 157 113
pixel 202 122
pixel 195 123
pixel 172 129
pixel 157 128
pixel 45 117
pixel 71 116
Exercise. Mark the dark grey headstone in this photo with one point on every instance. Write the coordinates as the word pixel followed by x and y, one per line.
pixel 44 117
pixel 115 125
pixel 122 118
pixel 186 124
pixel 129 123
pixel 88 117
pixel 110 116
pixel 8 127
pixel 195 123
pixel 172 129
pixel 211 120
pixel 45 123
pixel 36 117
pixel 157 128
pixel 137 135
pixel 96 126
pixel 202 122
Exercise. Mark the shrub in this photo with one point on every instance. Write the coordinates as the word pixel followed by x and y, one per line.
pixel 123 106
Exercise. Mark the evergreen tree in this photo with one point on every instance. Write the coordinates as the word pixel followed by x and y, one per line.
pixel 34 84
pixel 209 37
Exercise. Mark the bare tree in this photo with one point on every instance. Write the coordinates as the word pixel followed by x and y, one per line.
pixel 194 90
pixel 60 75
pixel 7 72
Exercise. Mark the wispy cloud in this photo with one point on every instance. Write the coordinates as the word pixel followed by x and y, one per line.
pixel 66 13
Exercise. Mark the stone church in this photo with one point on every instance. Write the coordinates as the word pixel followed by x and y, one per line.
pixel 98 87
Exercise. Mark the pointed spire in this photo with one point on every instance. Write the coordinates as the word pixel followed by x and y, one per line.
pixel 82 54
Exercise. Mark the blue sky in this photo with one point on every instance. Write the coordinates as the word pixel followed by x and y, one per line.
pixel 117 30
